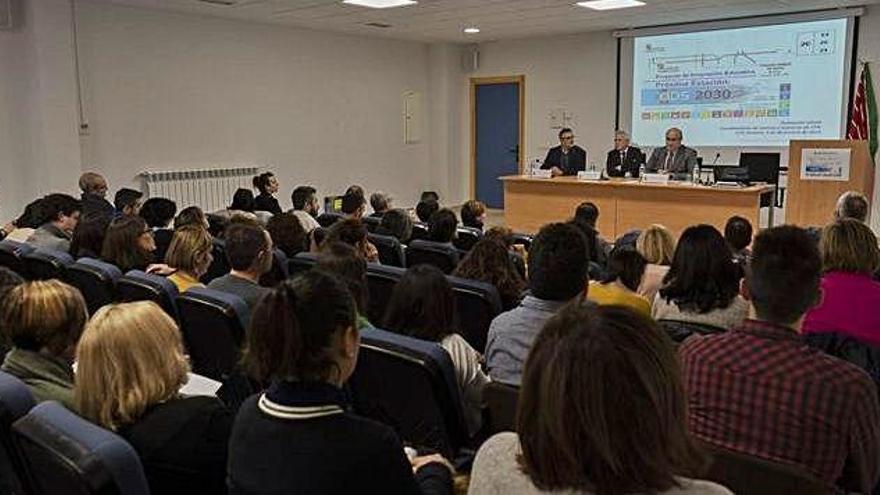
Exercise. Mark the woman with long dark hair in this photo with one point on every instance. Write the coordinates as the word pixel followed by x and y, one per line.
pixel 267 184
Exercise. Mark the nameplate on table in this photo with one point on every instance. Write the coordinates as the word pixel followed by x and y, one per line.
pixel 655 178
pixel 590 175
pixel 541 174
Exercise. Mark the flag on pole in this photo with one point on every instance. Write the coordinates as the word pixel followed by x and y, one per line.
pixel 863 123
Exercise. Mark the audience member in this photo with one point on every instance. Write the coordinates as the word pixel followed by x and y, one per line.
pixel 191 215
pixel 422 305
pixel 490 261
pixel 657 246
pixel 396 223
pixel 426 209
pixel 94 193
pixel 557 274
pixel 850 296
pixel 128 243
pixel 306 207
pixel 249 252
pixel 738 234
pixel 59 215
pixel 159 213
pixel 347 263
pixel 758 390
pixel 702 285
pixel 88 236
pixel 127 201
pixel 242 204
pixel 190 255
pixel 356 190
pixel 267 184
pixel 601 411
pixel 381 203
pixel 287 234
pixel 353 204
pixel 43 320
pixel 429 196
pixel 852 204
pixel 301 432
pixel 316 239
pixel 351 231
pixel 8 280
pixel 597 261
pixel 130 365
pixel 26 224
pixel 442 226
pixel 473 214
pixel 621 283
pixel 588 213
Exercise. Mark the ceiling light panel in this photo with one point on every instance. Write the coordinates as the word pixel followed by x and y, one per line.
pixel 380 4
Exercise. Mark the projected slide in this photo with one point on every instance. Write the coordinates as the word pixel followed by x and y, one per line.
pixel 747 86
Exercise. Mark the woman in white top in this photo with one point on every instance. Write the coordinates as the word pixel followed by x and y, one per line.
pixel 601 411
pixel 702 285
pixel 657 246
pixel 422 305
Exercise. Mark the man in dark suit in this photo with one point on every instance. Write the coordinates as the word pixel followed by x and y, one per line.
pixel 674 158
pixel 565 159
pixel 623 159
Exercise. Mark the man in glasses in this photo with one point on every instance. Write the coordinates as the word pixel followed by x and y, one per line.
pixel 674 158
pixel 623 159
pixel 565 159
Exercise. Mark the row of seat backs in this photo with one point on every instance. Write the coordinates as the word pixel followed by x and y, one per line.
pixel 47 450
pixel 477 303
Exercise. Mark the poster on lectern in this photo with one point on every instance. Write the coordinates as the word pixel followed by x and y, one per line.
pixel 825 164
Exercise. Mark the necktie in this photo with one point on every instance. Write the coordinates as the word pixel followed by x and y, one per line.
pixel 670 156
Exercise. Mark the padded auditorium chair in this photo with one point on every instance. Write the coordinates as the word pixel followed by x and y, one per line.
pixel 67 454
pixel 96 280
pixel 391 251
pixel 501 400
pixel 46 264
pixel 300 263
pixel 419 232
pixel 140 286
pixel 220 265
pixel 678 331
pixel 371 223
pixel 410 385
pixel 523 240
pixel 443 256
pixel 746 474
pixel 327 219
pixel 279 271
pixel 381 280
pixel 16 400
pixel 467 237
pixel 213 325
pixel 477 304
pixel 11 253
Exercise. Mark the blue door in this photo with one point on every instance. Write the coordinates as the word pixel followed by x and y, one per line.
pixel 497 139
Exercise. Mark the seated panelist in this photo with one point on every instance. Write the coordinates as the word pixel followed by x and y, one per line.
pixel 623 159
pixel 565 159
pixel 674 158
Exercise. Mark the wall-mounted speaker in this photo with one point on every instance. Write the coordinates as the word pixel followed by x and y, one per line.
pixel 470 58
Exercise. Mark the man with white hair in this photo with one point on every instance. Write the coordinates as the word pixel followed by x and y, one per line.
pixel 674 158
pixel 852 204
pixel 624 160
pixel 94 192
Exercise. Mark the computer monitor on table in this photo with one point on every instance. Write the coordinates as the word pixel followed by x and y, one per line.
pixel 762 167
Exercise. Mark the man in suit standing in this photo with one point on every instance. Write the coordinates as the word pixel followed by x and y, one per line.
pixel 623 159
pixel 565 159
pixel 674 158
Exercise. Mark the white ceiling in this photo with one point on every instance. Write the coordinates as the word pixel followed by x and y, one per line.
pixel 443 20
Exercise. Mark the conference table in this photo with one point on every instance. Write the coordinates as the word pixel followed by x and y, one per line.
pixel 627 204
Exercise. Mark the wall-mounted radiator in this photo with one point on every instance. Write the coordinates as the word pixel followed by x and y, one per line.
pixel 210 189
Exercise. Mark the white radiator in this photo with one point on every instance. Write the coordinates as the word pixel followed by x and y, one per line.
pixel 211 189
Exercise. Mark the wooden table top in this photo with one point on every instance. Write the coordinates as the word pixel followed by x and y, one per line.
pixel 634 183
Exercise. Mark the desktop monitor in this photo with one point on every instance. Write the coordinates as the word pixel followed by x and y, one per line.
pixel 333 204
pixel 762 167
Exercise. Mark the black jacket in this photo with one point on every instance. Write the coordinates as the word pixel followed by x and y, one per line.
pixel 631 162
pixel 182 444
pixel 299 438
pixel 577 160
pixel 267 202
pixel 92 203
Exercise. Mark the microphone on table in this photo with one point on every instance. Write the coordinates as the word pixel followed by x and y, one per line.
pixel 717 156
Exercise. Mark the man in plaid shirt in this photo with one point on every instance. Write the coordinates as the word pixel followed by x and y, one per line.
pixel 758 390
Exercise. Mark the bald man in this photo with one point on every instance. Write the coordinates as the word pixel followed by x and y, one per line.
pixel 674 158
pixel 94 190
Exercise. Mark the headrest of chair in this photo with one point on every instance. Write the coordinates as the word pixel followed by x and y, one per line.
pixel 85 444
pixel 306 257
pixel 105 268
pixel 15 396
pixel 51 254
pixel 487 290
pixel 388 240
pixel 19 248
pixel 279 258
pixel 224 300
pixel 385 270
pixel 463 229
pixel 438 247
pixel 151 280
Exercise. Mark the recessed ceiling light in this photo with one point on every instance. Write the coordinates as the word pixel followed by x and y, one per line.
pixel 380 4
pixel 610 4
pixel 471 30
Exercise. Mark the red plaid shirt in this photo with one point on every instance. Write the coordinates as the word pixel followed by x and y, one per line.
pixel 759 390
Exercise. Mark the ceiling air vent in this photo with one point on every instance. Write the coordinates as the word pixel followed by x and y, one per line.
pixel 380 25
pixel 220 2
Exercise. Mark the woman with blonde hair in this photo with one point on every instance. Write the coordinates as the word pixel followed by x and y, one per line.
pixel 189 254
pixel 130 365
pixel 43 321
pixel 657 246
pixel 851 296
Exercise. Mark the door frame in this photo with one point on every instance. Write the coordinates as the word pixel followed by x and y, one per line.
pixel 478 81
